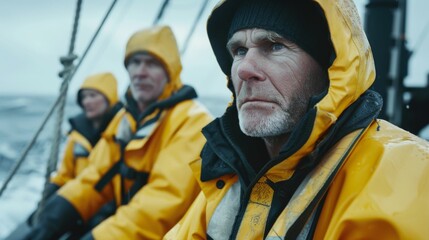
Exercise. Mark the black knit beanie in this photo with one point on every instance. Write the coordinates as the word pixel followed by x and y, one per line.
pixel 300 21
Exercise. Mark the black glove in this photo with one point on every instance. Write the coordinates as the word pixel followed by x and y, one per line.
pixel 57 217
pixel 24 230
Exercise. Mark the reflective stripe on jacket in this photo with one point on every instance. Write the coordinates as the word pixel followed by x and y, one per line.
pixel 75 158
pixel 377 192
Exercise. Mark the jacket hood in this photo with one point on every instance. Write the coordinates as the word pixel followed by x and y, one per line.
pixel 105 83
pixel 351 74
pixel 160 42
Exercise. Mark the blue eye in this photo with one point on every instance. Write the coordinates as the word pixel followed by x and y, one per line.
pixel 277 46
pixel 240 51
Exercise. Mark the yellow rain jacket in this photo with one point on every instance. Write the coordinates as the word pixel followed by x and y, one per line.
pixel 143 164
pixel 342 174
pixel 83 137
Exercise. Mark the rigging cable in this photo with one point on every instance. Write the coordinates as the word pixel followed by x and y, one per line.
pixel 54 105
pixel 161 12
pixel 67 62
pixel 194 26
pixel 421 37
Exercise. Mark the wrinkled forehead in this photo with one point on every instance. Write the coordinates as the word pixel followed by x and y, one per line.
pixel 144 56
pixel 255 35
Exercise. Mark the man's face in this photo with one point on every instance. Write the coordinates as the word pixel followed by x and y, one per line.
pixel 148 77
pixel 273 80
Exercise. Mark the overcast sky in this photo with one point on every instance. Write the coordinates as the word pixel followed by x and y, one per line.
pixel 36 33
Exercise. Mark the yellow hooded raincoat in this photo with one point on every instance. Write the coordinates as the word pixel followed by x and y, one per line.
pixel 83 137
pixel 346 174
pixel 143 163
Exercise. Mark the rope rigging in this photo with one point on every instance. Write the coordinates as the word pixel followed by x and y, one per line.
pixel 69 74
pixel 67 62
pixel 161 12
pixel 194 26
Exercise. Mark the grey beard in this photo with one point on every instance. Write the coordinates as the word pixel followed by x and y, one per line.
pixel 277 124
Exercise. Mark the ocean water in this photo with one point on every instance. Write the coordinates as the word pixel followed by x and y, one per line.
pixel 20 117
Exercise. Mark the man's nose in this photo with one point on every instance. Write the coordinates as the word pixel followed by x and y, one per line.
pixel 142 69
pixel 249 68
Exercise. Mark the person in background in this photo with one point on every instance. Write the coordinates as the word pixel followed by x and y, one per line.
pixel 300 154
pixel 98 99
pixel 142 165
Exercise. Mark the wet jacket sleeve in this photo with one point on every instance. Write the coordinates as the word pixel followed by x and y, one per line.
pixel 170 190
pixel 74 203
pixel 66 169
pixel 81 193
pixel 382 191
pixel 193 224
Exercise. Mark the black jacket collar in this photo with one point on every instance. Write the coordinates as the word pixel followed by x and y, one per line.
pixel 229 151
pixel 184 93
pixel 83 125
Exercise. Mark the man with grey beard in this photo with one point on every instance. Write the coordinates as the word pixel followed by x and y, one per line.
pixel 299 154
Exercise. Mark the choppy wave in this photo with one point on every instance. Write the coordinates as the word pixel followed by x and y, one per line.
pixel 7 152
pixel 24 190
pixel 14 104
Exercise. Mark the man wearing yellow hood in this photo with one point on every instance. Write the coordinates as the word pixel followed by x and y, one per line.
pixel 142 164
pixel 300 154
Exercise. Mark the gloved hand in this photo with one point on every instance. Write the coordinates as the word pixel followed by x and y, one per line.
pixel 57 217
pixel 25 229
